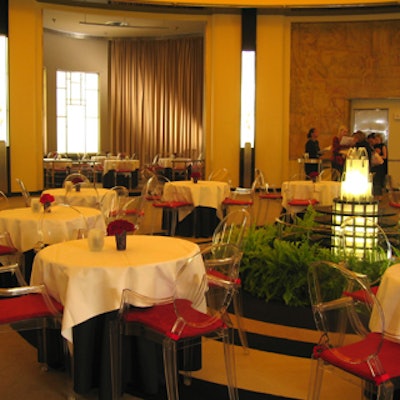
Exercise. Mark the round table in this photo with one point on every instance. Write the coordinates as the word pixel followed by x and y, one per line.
pixel 27 228
pixel 201 194
pixel 324 191
pixel 90 283
pixel 389 297
pixel 87 197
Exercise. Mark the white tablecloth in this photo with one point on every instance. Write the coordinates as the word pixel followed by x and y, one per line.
pixel 324 191
pixel 90 283
pixel 63 222
pixel 126 165
pixel 86 197
pixel 170 162
pixel 203 193
pixel 389 297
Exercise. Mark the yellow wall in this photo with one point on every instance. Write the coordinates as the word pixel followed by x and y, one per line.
pixel 25 65
pixel 272 86
pixel 223 47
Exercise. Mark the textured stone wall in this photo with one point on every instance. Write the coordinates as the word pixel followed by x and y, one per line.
pixel 332 63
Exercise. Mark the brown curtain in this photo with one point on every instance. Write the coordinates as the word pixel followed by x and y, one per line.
pixel 156 97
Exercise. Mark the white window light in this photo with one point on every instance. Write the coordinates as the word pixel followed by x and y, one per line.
pixel 3 89
pixel 78 116
pixel 248 91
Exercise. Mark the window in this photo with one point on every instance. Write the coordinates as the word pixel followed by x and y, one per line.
pixel 3 89
pixel 248 93
pixel 78 124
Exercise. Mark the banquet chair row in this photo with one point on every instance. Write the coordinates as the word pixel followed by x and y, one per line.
pixel 198 308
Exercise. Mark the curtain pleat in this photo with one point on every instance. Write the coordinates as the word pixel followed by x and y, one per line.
pixel 156 97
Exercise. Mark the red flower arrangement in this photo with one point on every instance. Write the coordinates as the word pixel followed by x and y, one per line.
pixel 195 175
pixel 119 226
pixel 77 180
pixel 46 199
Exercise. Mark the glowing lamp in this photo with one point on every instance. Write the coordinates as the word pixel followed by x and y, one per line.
pixel 356 183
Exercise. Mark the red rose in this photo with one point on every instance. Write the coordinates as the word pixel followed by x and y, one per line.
pixel 77 180
pixel 119 226
pixel 46 198
pixel 195 174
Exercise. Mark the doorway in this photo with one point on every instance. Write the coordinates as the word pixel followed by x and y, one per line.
pixel 380 116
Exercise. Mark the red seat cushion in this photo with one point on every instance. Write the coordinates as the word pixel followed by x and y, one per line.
pixel 134 211
pixel 162 318
pixel 388 355
pixel 25 307
pixel 220 275
pixel 360 294
pixel 303 202
pixel 172 204
pixel 7 250
pixel 237 202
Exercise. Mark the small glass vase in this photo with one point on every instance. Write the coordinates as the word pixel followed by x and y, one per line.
pixel 195 179
pixel 120 241
pixel 47 207
pixel 78 187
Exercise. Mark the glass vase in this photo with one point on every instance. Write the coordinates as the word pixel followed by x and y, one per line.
pixel 120 241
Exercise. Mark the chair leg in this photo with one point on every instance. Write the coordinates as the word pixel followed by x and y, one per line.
pixel 316 376
pixel 170 369
pixel 174 214
pixel 238 309
pixel 230 365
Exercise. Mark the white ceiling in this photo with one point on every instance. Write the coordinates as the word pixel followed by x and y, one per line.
pixel 115 26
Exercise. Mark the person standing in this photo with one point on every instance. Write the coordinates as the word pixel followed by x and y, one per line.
pixel 314 152
pixel 380 171
pixel 340 143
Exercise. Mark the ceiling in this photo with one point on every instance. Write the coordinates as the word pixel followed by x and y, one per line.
pixel 83 25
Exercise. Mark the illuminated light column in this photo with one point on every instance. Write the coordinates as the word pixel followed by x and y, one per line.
pixel 355 213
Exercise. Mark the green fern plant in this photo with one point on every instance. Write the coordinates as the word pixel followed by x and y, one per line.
pixel 275 269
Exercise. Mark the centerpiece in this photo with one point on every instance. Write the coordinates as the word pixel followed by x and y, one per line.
pixel 46 199
pixel 77 183
pixel 195 175
pixel 119 229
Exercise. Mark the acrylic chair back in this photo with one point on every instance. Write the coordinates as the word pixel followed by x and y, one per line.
pixel 232 228
pixel 362 240
pixel 196 307
pixel 77 178
pixel 210 292
pixel 346 341
pixel 133 211
pixel 25 194
pixel 49 232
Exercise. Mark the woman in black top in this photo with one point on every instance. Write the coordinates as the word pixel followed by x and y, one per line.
pixel 313 150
